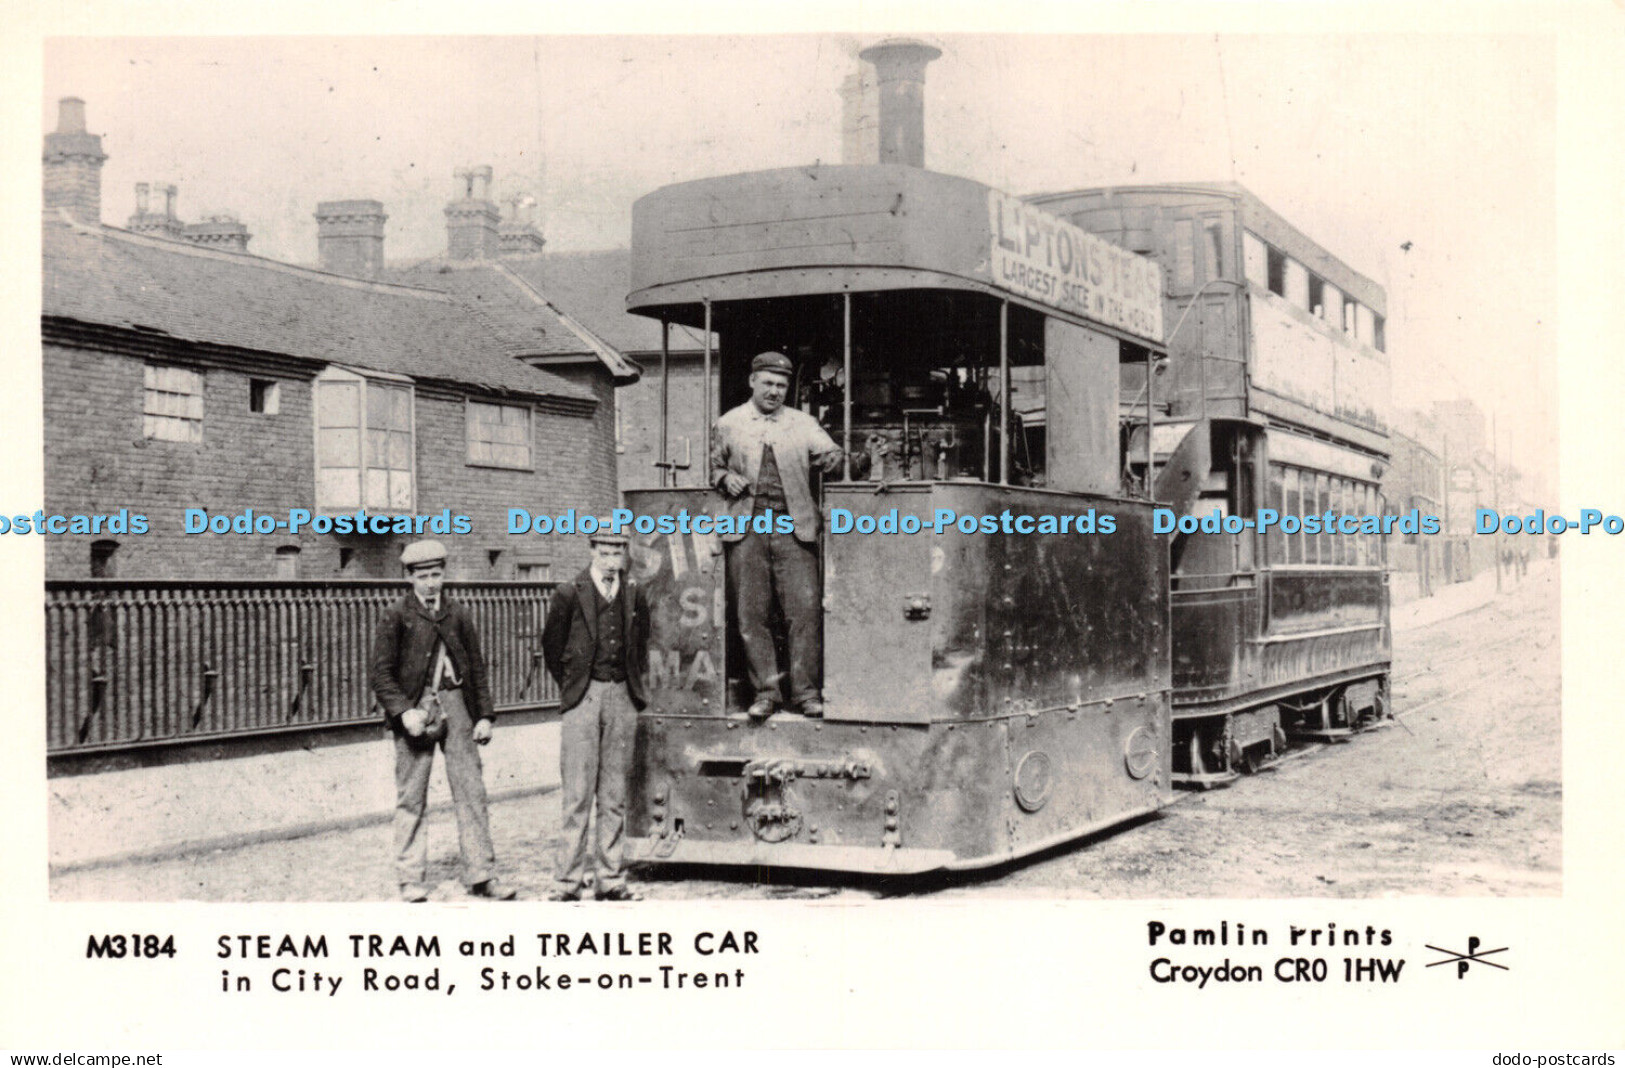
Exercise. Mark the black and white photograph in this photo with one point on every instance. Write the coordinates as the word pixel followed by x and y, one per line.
pixel 344 329
pixel 565 479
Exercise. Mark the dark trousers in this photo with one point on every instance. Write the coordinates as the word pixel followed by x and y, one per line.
pixel 763 568
pixel 466 777
pixel 595 761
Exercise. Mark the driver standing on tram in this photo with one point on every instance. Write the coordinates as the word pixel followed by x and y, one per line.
pixel 762 455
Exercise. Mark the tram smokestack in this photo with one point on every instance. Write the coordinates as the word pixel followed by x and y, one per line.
pixel 900 71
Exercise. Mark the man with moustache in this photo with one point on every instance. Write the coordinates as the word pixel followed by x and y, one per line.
pixel 596 645
pixel 762 456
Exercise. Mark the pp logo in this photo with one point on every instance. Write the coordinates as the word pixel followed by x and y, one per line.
pixel 1464 961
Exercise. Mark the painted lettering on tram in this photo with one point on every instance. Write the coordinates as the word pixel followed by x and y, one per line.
pixel 672 669
pixel 1049 260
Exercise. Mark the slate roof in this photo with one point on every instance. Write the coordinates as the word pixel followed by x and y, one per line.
pixel 115 278
pixel 589 288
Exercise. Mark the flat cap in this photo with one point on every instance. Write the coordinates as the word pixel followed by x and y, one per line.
pixel 605 537
pixel 421 553
pixel 772 361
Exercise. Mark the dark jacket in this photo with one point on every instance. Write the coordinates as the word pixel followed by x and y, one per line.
pixel 403 655
pixel 570 638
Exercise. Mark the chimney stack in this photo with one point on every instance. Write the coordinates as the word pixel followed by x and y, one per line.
pixel 73 165
pixel 900 72
pixel 472 223
pixel 519 236
pixel 146 220
pixel 350 237
pixel 223 231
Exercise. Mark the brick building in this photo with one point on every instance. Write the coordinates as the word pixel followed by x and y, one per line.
pixel 179 371
pixel 583 294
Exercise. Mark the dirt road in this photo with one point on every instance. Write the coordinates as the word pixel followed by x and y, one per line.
pixel 1461 797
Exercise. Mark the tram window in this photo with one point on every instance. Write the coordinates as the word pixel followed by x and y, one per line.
pixel 1311 506
pixel 1213 249
pixel 1317 296
pixel 1357 505
pixel 1332 553
pixel 1365 538
pixel 1323 494
pixel 1378 543
pixel 1350 551
pixel 1276 540
pixel 1297 283
pixel 1356 547
pixel 1275 267
pixel 1351 506
pixel 1364 324
pixel 1345 546
pixel 1184 255
pixel 1362 541
pixel 1333 311
pixel 1294 506
pixel 1350 311
pixel 1379 333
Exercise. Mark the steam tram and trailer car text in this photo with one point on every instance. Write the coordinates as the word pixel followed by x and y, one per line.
pixel 990 694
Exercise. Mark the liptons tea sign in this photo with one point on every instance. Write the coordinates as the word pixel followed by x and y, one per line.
pixel 1048 260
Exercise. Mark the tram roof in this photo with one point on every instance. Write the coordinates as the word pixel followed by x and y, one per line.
pixel 1265 222
pixel 802 231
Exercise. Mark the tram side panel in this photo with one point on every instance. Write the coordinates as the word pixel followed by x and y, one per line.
pixel 682 575
pixel 1330 622
pixel 1075 662
pixel 1033 709
pixel 1046 676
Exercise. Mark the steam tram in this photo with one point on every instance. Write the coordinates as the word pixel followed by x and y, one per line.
pixel 991 691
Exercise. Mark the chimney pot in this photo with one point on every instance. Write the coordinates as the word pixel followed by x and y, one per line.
pixel 70 116
pixel 163 222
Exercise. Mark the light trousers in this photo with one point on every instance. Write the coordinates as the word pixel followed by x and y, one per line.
pixel 414 760
pixel 595 761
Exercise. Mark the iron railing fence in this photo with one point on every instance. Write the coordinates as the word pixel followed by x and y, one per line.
pixel 131 663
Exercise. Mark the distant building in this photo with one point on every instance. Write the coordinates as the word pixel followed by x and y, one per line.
pixel 180 372
pixel 1415 480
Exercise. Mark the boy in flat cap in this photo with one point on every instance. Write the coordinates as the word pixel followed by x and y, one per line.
pixel 762 455
pixel 428 674
pixel 596 644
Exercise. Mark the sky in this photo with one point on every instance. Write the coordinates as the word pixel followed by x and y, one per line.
pixel 1425 161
